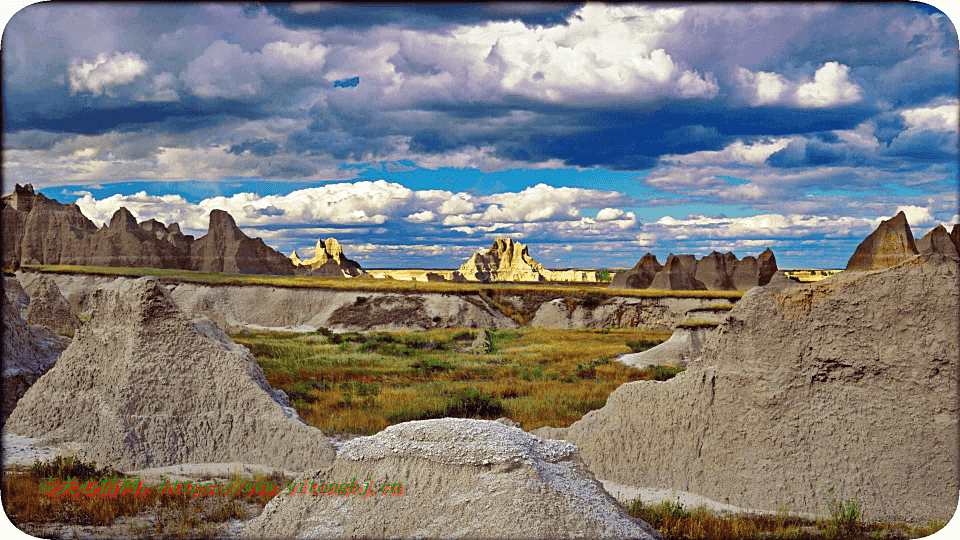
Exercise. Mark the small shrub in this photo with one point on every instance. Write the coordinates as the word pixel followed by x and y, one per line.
pixel 472 403
pixel 361 299
pixel 323 331
pixel 663 373
pixel 591 301
pixel 431 365
pixel 464 335
pixel 299 392
pixel 845 518
pixel 643 344
pixel 69 467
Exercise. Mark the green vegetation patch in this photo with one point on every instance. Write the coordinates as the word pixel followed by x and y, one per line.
pixel 364 382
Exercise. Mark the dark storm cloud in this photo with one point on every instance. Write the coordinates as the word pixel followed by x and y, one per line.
pixel 420 16
pixel 257 147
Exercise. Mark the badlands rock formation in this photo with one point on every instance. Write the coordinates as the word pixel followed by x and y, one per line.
pixel 38 230
pixel 890 244
pixel 675 277
pixel 143 386
pixel 850 382
pixel 226 249
pixel 460 478
pixel 49 308
pixel 716 272
pixel 507 260
pixel 328 260
pixel 28 352
pixel 638 277
pixel 939 240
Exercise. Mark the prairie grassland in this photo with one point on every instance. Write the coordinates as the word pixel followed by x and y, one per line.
pixel 376 285
pixel 362 383
pixel 174 516
pixel 675 522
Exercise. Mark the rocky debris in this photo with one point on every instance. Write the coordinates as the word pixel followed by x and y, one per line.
pixel 716 272
pixel 683 347
pixel 16 295
pixel 890 244
pixel 328 260
pixel 938 240
pixel 507 260
pixel 226 249
pixel 141 385
pixel 28 352
pixel 459 478
pixel 49 308
pixel 674 277
pixel 638 277
pixel 847 383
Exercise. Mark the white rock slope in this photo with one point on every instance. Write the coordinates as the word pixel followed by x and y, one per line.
pixel 461 479
pixel 143 386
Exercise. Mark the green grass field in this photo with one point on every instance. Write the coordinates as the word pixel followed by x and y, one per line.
pixel 362 383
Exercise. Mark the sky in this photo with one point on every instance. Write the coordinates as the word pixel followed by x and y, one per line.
pixel 418 134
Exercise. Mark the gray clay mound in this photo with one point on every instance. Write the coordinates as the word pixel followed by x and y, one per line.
pixel 850 383
pixel 461 479
pixel 16 295
pixel 49 308
pixel 142 386
pixel 938 240
pixel 683 347
pixel 28 353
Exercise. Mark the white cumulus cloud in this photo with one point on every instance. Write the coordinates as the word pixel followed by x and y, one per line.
pixel 831 87
pixel 98 76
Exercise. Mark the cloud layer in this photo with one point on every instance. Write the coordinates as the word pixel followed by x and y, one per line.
pixel 585 124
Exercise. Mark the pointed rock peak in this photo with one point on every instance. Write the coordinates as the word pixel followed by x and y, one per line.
pixel 221 220
pixel 296 258
pixel 123 218
pixel 649 259
pixel 333 248
pixel 938 240
pixel 174 228
pixel 890 244
pixel 26 189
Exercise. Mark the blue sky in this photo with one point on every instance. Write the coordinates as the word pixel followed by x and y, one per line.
pixel 593 133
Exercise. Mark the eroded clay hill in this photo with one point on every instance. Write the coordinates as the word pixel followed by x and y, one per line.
pixel 507 260
pixel 328 260
pixel 28 352
pixel 38 230
pixel 143 386
pixel 48 307
pixel 891 243
pixel 714 272
pixel 461 479
pixel 850 382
